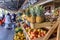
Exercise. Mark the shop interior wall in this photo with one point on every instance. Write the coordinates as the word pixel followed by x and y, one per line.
pixel 57 4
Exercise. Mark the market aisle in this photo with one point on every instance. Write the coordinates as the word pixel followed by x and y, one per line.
pixel 6 34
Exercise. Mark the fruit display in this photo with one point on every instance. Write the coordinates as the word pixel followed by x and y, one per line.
pixel 19 34
pixel 18 24
pixel 23 17
pixel 33 15
pixel 57 11
pixel 35 33
pixel 25 26
pixel 27 13
pixel 53 16
pixel 39 10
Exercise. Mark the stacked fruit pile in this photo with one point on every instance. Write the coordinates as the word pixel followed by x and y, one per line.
pixel 35 33
pixel 35 14
pixel 56 12
pixel 19 34
pixel 26 26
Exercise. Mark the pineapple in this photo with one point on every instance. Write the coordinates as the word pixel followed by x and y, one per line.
pixel 39 13
pixel 33 16
pixel 27 13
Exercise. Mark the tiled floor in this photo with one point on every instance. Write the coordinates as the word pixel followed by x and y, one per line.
pixel 6 34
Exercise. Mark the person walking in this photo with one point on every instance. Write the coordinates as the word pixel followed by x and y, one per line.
pixel 8 21
pixel 13 18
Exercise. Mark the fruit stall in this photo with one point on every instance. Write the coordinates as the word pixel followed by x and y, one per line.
pixel 36 26
pixel 19 34
pixel 35 19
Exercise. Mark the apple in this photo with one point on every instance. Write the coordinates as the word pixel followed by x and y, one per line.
pixel 39 36
pixel 41 30
pixel 44 32
pixel 38 30
pixel 34 30
pixel 34 37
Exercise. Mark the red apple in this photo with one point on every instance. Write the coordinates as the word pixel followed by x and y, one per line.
pixel 34 37
pixel 35 32
pixel 38 30
pixel 32 34
pixel 38 36
pixel 42 34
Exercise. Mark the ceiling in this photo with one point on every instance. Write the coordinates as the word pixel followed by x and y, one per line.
pixel 15 5
pixel 11 4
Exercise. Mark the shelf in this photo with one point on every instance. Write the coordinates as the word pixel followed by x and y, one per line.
pixel 46 25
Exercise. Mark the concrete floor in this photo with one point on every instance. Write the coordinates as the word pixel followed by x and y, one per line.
pixel 6 34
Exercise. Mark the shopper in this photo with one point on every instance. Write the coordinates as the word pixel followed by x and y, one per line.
pixel 14 17
pixel 8 21
pixel 1 19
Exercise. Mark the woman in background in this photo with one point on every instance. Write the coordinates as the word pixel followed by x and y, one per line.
pixel 8 21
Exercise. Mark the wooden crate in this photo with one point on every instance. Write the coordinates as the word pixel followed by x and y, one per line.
pixel 28 38
pixel 49 33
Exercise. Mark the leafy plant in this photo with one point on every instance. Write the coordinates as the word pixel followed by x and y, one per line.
pixel 27 13
pixel 39 10
pixel 32 11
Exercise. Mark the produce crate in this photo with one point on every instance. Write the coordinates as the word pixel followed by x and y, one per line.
pixel 40 25
pixel 25 33
pixel 28 38
pixel 19 35
pixel 52 28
